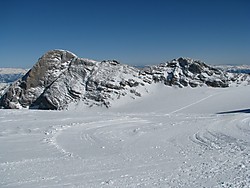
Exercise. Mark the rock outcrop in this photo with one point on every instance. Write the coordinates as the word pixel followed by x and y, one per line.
pixel 60 79
pixel 185 72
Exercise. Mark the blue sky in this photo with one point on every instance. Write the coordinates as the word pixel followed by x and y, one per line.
pixel 134 32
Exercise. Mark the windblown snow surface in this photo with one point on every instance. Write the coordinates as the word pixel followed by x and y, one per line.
pixel 189 137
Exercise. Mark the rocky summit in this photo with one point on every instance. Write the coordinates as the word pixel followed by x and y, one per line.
pixel 60 79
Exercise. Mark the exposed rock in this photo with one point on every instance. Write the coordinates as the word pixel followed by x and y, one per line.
pixel 60 78
pixel 187 72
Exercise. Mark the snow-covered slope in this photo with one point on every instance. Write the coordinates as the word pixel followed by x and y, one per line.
pixel 189 137
pixel 61 79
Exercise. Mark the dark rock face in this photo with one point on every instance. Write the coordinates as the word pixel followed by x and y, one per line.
pixel 60 79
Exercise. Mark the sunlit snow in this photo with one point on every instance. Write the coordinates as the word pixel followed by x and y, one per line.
pixel 169 138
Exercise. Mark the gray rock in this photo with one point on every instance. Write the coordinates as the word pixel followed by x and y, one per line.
pixel 185 72
pixel 60 78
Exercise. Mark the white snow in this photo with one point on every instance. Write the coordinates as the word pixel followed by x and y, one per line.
pixel 189 137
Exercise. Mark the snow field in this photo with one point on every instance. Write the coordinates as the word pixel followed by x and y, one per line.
pixel 169 138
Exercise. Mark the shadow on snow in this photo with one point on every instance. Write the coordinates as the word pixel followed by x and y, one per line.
pixel 235 111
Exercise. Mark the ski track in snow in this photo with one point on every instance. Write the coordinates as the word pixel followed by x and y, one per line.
pixel 192 104
pixel 108 149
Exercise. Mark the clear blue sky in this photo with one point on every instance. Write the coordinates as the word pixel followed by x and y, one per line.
pixel 132 31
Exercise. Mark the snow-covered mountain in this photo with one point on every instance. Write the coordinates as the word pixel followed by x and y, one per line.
pixel 60 79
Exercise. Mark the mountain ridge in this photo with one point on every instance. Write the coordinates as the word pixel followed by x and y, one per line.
pixel 60 78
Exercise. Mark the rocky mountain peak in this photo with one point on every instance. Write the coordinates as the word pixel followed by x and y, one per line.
pixel 60 78
pixel 48 68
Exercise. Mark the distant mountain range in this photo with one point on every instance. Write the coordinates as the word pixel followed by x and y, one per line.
pixel 60 79
pixel 235 68
pixel 9 75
